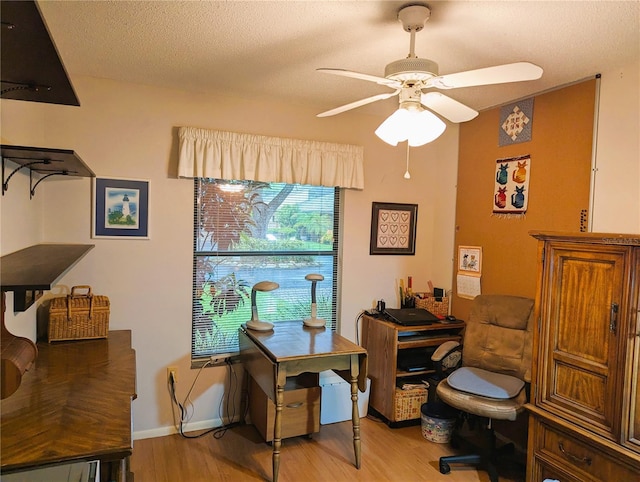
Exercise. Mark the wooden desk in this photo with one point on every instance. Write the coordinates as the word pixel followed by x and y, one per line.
pixel 390 343
pixel 74 404
pixel 291 349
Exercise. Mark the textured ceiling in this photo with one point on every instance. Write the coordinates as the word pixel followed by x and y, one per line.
pixel 272 48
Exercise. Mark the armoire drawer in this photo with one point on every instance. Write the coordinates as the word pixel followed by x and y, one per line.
pixel 582 460
pixel 542 470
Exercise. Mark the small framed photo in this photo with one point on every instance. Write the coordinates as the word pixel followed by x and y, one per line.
pixel 470 260
pixel 393 228
pixel 120 208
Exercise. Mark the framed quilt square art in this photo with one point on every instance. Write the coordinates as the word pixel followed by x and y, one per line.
pixel 393 228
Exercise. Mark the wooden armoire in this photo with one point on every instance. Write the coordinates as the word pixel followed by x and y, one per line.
pixel 584 422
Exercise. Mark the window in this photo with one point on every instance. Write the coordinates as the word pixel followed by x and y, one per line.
pixel 246 232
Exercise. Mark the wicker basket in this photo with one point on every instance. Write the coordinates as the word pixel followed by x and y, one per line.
pixel 429 303
pixel 408 403
pixel 78 316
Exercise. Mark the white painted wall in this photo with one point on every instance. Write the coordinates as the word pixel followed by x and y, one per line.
pixel 617 175
pixel 130 131
pixel 20 217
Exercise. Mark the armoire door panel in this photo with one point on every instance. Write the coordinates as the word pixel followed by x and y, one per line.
pixel 581 388
pixel 587 308
pixel 583 285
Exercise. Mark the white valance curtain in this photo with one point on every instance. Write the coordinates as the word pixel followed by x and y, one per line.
pixel 231 155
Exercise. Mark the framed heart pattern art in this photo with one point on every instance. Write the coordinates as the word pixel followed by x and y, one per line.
pixel 393 228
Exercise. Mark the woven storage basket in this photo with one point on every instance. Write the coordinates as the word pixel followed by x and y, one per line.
pixel 408 403
pixel 430 303
pixel 78 316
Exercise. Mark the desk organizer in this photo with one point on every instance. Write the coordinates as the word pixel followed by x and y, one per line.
pixel 430 303
pixel 78 316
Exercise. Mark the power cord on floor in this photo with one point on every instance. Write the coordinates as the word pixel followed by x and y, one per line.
pixel 233 388
pixel 218 432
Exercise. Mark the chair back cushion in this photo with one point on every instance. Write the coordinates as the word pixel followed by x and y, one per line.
pixel 498 336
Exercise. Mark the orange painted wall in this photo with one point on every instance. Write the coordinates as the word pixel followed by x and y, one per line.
pixel 559 184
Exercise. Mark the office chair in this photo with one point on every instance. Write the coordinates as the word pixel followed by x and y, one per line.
pixel 495 371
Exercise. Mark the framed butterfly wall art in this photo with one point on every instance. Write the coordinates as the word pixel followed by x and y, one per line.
pixel 393 228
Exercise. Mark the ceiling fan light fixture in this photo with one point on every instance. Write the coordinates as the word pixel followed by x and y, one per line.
pixel 408 123
pixel 426 128
pixel 394 127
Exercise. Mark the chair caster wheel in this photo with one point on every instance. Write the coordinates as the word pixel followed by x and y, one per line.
pixel 444 468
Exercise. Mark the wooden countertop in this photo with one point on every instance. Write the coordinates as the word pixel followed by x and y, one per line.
pixel 74 404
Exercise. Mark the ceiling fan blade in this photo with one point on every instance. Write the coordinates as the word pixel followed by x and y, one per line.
pixel 499 74
pixel 357 103
pixel 357 75
pixel 447 107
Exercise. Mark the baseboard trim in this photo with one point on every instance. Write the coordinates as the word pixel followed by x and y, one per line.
pixel 171 429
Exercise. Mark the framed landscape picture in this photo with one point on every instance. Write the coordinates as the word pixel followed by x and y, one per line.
pixel 393 228
pixel 121 208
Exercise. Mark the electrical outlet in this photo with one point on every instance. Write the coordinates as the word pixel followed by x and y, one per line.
pixel 172 371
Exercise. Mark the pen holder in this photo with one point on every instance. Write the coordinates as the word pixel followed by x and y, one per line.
pixel 408 302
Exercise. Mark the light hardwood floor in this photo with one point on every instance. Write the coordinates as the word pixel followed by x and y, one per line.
pixel 399 454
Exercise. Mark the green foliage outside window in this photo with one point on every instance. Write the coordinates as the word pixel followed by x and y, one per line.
pixel 247 232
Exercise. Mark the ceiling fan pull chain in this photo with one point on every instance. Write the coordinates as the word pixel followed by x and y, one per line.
pixel 406 174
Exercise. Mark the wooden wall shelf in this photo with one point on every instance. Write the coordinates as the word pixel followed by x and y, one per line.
pixel 43 161
pixel 31 270
pixel 31 67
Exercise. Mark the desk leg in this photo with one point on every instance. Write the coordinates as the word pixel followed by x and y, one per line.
pixel 277 431
pixel 355 417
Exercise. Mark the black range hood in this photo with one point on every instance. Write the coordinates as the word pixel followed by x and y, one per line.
pixel 30 67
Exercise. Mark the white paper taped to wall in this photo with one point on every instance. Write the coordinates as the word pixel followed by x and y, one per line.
pixel 468 286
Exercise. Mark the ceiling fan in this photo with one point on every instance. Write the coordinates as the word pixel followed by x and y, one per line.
pixel 412 77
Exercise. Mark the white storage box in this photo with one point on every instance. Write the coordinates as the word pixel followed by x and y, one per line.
pixel 335 400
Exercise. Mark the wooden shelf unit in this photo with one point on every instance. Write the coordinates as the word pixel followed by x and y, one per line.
pixel 387 342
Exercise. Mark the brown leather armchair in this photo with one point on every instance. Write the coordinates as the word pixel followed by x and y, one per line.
pixel 493 381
